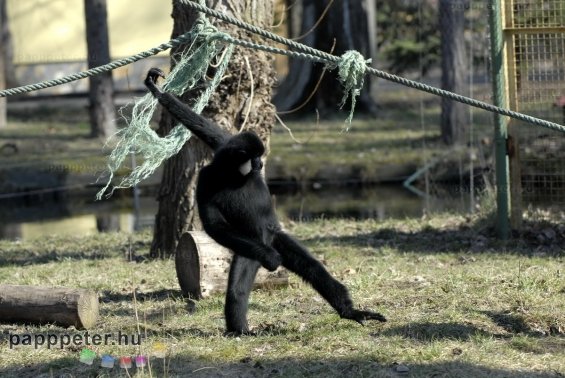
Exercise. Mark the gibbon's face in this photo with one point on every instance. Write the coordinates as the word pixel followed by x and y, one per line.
pixel 243 152
pixel 251 165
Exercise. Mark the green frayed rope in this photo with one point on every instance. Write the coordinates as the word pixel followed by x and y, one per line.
pixel 138 137
pixel 207 43
pixel 351 74
pixel 302 52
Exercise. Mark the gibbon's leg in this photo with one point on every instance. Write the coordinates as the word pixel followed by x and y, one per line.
pixel 240 282
pixel 296 258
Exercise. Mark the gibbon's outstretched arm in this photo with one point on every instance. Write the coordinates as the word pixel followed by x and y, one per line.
pixel 220 230
pixel 204 129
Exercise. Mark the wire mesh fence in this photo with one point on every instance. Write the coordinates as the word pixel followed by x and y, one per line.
pixel 457 177
pixel 534 13
pixel 535 34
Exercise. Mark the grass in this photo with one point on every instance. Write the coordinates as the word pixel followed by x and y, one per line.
pixel 61 149
pixel 389 147
pixel 386 148
pixel 459 303
pixel 66 146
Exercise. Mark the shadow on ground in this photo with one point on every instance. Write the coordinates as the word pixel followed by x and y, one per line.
pixel 464 237
pixel 248 367
pixel 427 332
pixel 43 251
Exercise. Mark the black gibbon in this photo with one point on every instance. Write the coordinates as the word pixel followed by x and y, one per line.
pixel 235 207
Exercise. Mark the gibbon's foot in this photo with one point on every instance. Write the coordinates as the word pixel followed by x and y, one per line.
pixel 361 316
pixel 240 333
pixel 153 76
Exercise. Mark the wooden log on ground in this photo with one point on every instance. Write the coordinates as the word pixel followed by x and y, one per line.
pixel 203 265
pixel 40 305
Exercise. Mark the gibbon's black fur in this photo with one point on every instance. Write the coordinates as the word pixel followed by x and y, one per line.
pixel 235 207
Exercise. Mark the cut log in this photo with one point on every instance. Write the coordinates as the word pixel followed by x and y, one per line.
pixel 40 305
pixel 203 265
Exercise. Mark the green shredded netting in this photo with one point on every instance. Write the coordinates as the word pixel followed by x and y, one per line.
pixel 190 70
pixel 351 73
pixel 138 137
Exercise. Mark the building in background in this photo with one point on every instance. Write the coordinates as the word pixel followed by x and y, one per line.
pixel 49 40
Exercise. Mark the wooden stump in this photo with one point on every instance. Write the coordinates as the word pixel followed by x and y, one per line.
pixel 39 305
pixel 203 265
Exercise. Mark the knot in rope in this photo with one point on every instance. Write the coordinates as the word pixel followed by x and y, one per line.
pixel 203 26
pixel 351 74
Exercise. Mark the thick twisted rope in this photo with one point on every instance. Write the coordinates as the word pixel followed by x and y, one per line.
pixel 311 54
pixel 182 39
pixel 302 52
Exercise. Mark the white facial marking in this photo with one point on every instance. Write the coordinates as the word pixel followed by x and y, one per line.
pixel 245 168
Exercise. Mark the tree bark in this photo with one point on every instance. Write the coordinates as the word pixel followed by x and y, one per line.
pixel 231 107
pixel 101 93
pixel 346 23
pixel 202 266
pixel 454 122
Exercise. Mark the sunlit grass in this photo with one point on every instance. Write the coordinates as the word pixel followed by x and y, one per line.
pixel 453 309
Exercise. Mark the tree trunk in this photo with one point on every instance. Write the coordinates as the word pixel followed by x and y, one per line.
pixel 7 48
pixel 229 107
pixel 3 20
pixel 454 115
pixel 3 108
pixel 102 112
pixel 346 23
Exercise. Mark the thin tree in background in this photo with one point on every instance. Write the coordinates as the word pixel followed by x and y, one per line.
pixel 6 47
pixel 242 100
pixel 454 115
pixel 3 25
pixel 101 92
pixel 3 118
